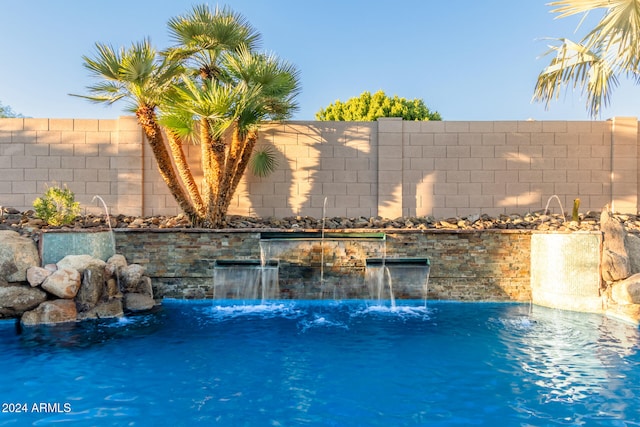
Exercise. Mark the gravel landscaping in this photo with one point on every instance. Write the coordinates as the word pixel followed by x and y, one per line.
pixel 27 222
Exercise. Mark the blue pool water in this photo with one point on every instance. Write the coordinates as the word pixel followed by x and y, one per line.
pixel 301 363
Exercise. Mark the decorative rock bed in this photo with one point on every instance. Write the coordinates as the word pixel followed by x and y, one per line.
pixel 27 223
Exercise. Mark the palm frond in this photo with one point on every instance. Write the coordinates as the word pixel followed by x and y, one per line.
pixel 202 35
pixel 611 48
pixel 179 122
pixel 264 77
pixel 575 65
pixel 138 63
pixel 106 63
pixel 565 8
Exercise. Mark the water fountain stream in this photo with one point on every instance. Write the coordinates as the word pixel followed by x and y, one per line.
pixel 406 278
pixel 546 208
pixel 324 213
pixel 320 265
pixel 248 280
pixel 108 219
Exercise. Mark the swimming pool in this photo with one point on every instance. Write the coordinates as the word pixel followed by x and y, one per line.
pixel 291 363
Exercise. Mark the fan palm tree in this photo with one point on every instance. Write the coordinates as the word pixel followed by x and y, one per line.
pixel 201 37
pixel 136 75
pixel 212 45
pixel 211 88
pixel 610 49
pixel 269 87
pixel 256 88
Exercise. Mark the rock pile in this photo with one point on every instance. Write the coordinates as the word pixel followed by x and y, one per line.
pixel 78 287
pixel 620 269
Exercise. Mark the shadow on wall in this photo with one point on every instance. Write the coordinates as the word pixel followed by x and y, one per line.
pixel 336 160
pixel 451 169
pixel 336 172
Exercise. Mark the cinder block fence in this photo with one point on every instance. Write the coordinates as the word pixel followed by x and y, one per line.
pixel 389 168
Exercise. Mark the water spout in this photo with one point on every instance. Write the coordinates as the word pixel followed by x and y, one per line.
pixel 426 288
pixel 307 274
pixel 546 209
pixel 108 217
pixel 247 280
pixel 324 210
pixel 392 298
pixel 406 278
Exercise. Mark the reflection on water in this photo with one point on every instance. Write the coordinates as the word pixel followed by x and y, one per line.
pixel 80 335
pixel 568 358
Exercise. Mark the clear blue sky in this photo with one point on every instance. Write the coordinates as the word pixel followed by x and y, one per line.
pixel 469 60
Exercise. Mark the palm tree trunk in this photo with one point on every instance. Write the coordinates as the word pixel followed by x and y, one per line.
pixel 250 142
pixel 246 144
pixel 206 162
pixel 213 166
pixel 235 150
pixel 147 119
pixel 185 174
pixel 225 192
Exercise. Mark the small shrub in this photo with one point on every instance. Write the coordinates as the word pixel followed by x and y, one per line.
pixel 57 206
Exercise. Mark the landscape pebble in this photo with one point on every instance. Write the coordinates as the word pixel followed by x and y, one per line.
pixel 26 222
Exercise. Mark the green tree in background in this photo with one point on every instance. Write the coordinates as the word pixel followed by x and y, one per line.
pixel 610 49
pixel 7 112
pixel 369 107
pixel 211 88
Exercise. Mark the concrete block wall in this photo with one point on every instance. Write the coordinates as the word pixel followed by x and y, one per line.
pixel 389 168
pixel 91 157
pixel 453 169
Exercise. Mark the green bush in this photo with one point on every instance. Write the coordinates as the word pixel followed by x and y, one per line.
pixel 57 206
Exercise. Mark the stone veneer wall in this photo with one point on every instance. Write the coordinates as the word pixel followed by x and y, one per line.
pixel 388 168
pixel 470 266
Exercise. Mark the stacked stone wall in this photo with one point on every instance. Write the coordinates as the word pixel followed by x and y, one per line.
pixel 467 266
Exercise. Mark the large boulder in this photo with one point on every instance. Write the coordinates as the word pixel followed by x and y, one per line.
pixel 17 254
pixel 16 299
pixel 130 277
pixel 615 260
pixel 138 302
pixel 36 275
pixel 91 288
pixel 632 244
pixel 627 291
pixel 63 283
pixel 104 310
pixel 614 266
pixel 143 287
pixel 56 311
pixel 80 262
pixel 116 264
pixel 112 289
pixel 626 312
